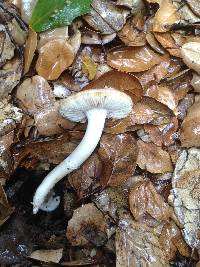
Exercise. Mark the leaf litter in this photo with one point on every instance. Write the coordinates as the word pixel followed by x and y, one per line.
pixel 135 201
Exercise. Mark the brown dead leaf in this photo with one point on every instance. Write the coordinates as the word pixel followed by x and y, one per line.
pixel 191 55
pixel 163 134
pixel 138 245
pixel 195 6
pixel 172 241
pixel 186 194
pixel 132 34
pixel 119 154
pixel 166 40
pixel 54 57
pixel 190 133
pixel 133 59
pixel 47 150
pixel 165 17
pixel 87 225
pixel 145 203
pixel 30 47
pixel 154 43
pixel 195 82
pixel 85 180
pixel 153 158
pixel 118 80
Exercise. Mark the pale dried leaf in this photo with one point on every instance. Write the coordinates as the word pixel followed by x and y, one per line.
pixel 53 256
pixel 30 47
pixel 186 195
pixel 191 55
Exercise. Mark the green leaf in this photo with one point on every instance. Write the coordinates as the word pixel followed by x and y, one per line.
pixel 50 14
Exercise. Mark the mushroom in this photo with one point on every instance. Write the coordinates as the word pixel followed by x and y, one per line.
pixel 94 105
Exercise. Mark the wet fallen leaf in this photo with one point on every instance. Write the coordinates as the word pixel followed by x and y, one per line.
pixel 119 154
pixel 165 17
pixel 154 43
pixel 163 134
pixel 146 204
pixel 132 34
pixel 190 134
pixel 53 256
pixel 85 180
pixel 54 57
pixel 191 55
pixel 87 225
pixel 153 158
pixel 195 82
pixel 121 81
pixel 186 194
pixel 138 245
pixel 133 59
pixel 30 47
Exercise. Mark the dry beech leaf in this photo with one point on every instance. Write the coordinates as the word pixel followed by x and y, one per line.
pixel 5 209
pixel 138 245
pixel 163 134
pixel 87 225
pixel 119 154
pixel 132 34
pixel 30 47
pixel 51 255
pixel 172 241
pixel 54 57
pixel 190 134
pixel 145 203
pixel 85 180
pixel 166 40
pixel 153 158
pixel 165 17
pixel 89 67
pixel 154 43
pixel 191 55
pixel 186 195
pixel 46 150
pixel 133 59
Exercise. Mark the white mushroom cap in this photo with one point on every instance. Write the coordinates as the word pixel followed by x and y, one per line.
pixel 117 104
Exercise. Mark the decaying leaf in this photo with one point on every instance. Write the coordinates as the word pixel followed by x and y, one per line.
pixel 111 201
pixel 10 75
pixel 146 204
pixel 190 134
pixel 87 225
pixel 7 47
pixel 5 209
pixel 45 150
pixel 30 47
pixel 85 180
pixel 53 256
pixel 153 158
pixel 106 17
pixel 119 153
pixel 133 59
pixel 54 57
pixel 89 67
pixel 191 55
pixel 138 245
pixel 185 195
pixel 195 6
pixel 165 17
pixel 172 241
pixel 195 82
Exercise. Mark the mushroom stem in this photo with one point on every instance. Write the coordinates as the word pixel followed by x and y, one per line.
pixel 96 120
